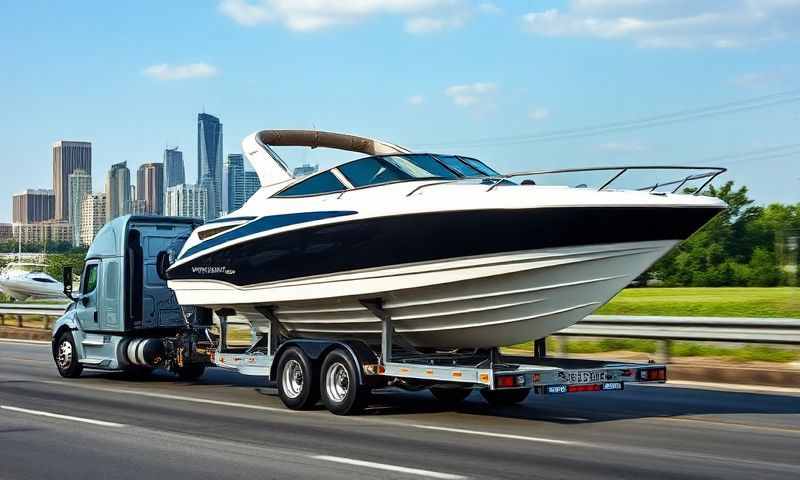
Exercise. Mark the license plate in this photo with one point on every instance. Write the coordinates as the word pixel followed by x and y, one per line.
pixel 583 376
pixel 612 386
pixel 556 389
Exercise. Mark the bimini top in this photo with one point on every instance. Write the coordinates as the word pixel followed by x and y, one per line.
pixel 271 168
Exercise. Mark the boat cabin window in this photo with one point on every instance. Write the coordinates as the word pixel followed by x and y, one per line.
pixel 455 163
pixel 89 279
pixel 481 167
pixel 394 168
pixel 325 182
pixel 43 280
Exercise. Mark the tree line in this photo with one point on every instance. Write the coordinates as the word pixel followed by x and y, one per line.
pixel 745 246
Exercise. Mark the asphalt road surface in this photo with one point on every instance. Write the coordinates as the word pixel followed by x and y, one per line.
pixel 108 425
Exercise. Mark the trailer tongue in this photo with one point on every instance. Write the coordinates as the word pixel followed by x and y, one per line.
pixel 126 318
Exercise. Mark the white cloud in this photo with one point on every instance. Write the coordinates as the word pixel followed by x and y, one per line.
pixel 309 15
pixel 538 113
pixel 671 23
pixel 421 25
pixel 473 94
pixel 166 71
pixel 622 147
pixel 415 100
pixel 489 8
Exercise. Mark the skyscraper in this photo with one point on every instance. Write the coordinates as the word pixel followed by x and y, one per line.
pixel 93 216
pixel 233 183
pixel 174 173
pixel 150 187
pixel 80 185
pixel 187 201
pixel 118 191
pixel 209 160
pixel 251 184
pixel 33 206
pixel 67 157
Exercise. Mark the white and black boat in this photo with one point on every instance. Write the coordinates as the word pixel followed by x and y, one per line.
pixel 28 280
pixel 456 253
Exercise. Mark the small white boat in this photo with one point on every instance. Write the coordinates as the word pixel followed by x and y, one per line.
pixel 456 253
pixel 22 281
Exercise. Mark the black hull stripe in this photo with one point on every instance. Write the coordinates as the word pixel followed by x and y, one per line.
pixel 396 240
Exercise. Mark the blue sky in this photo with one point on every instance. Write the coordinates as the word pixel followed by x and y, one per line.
pixel 131 78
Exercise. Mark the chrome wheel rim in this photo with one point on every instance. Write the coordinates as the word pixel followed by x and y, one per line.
pixel 337 382
pixel 292 379
pixel 64 358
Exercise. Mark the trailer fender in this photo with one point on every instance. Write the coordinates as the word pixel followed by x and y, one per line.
pixel 316 350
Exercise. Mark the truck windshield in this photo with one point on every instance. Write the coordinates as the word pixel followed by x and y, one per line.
pixel 394 168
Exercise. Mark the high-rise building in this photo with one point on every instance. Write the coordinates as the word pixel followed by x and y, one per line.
pixel 233 183
pixel 68 157
pixel 174 173
pixel 118 191
pixel 251 184
pixel 150 188
pixel 305 169
pixel 43 232
pixel 6 232
pixel 33 206
pixel 209 160
pixel 93 216
pixel 80 185
pixel 187 201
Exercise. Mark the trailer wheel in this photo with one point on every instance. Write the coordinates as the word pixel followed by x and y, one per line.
pixel 66 356
pixel 341 392
pixel 499 398
pixel 450 396
pixel 191 371
pixel 297 380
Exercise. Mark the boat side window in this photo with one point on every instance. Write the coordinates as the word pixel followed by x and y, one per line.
pixel 89 279
pixel 325 182
pixel 480 166
pixel 455 163
pixel 43 280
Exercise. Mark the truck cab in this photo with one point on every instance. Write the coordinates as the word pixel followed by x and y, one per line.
pixel 123 314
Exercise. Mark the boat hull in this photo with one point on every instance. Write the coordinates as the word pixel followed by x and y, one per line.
pixel 467 302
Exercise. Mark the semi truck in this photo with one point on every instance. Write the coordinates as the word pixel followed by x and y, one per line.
pixel 124 317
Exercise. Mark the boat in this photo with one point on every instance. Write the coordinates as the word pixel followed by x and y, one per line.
pixel 455 253
pixel 28 280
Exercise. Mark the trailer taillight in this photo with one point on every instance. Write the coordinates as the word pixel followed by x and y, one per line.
pixel 653 374
pixel 511 381
pixel 584 388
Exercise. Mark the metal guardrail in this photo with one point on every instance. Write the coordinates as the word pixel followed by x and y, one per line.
pixel 718 329
pixel 49 311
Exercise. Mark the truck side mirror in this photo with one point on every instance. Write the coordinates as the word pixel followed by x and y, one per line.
pixel 66 280
pixel 162 264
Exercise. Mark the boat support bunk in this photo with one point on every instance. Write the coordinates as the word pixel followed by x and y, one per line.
pixel 502 379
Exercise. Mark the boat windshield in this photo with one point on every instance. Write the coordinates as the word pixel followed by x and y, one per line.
pixel 395 168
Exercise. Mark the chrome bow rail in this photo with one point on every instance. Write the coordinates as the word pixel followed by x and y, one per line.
pixel 707 173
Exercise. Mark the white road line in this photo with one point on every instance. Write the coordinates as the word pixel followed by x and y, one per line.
pixel 62 417
pixel 498 435
pixel 24 342
pixel 391 468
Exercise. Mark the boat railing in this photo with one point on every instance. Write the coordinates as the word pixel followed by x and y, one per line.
pixel 708 174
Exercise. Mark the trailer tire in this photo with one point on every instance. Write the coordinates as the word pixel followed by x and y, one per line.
pixel 498 398
pixel 341 392
pixel 66 356
pixel 190 372
pixel 450 396
pixel 297 380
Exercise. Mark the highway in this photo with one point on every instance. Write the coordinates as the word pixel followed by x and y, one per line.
pixel 230 426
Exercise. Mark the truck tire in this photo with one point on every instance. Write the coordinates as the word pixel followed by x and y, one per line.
pixel 498 398
pixel 341 393
pixel 297 380
pixel 450 396
pixel 191 371
pixel 66 356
